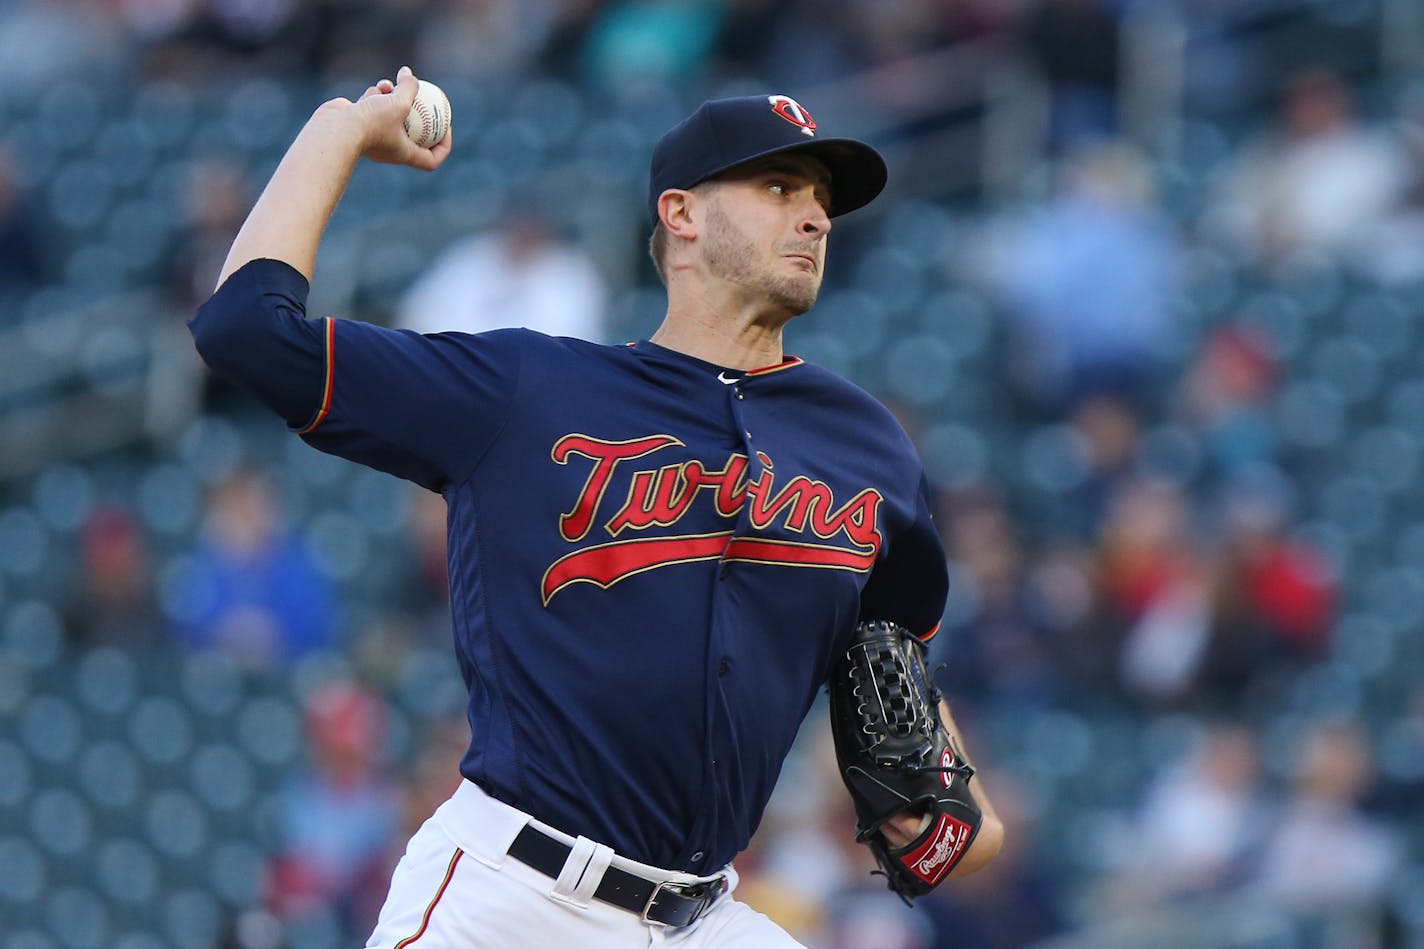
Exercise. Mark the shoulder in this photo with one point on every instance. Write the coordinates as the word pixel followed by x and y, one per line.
pixel 835 406
pixel 516 338
pixel 533 348
pixel 845 395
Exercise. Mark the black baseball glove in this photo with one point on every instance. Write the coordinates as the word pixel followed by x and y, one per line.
pixel 895 755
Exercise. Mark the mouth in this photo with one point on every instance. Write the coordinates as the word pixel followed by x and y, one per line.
pixel 810 261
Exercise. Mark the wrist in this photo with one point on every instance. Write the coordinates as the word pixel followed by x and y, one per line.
pixel 338 123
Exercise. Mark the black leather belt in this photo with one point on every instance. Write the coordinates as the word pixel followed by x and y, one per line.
pixel 672 904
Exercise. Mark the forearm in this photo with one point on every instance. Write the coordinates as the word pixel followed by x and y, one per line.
pixel 290 217
pixel 288 220
pixel 990 839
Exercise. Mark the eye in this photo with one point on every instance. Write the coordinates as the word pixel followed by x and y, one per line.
pixel 779 187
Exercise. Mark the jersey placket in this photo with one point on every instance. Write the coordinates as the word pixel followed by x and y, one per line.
pixel 718 659
pixel 737 399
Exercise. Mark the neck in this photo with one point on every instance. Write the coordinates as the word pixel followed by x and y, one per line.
pixel 738 338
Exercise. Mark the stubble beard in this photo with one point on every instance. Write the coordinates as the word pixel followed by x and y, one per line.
pixel 731 257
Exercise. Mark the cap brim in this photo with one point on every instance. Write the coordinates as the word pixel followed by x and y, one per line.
pixel 858 173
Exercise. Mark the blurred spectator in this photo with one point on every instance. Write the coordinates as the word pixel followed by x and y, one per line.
pixel 1109 430
pixel 1321 182
pixel 1007 905
pixel 870 917
pixel 748 29
pixel 24 242
pixel 220 38
pixel 1202 821
pixel 483 38
pixel 1153 589
pixel 112 600
pixel 862 913
pixel 149 25
pixel 1144 549
pixel 1076 47
pixel 965 20
pixel 1062 578
pixel 562 53
pixel 822 42
pixel 1394 253
pixel 434 775
pixel 1326 856
pixel 634 42
pixel 1275 601
pixel 216 199
pixel 1224 398
pixel 46 40
pixel 520 274
pixel 338 816
pixel 354 40
pixel 251 588
pixel 804 853
pixel 1089 282
pixel 1000 651
pixel 899 29
pixel 1402 758
pixel 421 591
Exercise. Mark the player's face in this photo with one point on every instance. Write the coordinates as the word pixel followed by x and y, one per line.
pixel 766 230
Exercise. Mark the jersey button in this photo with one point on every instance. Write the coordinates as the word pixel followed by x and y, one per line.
pixel 698 856
pixel 739 393
pixel 723 667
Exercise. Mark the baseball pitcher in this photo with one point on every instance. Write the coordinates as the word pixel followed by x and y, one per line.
pixel 658 552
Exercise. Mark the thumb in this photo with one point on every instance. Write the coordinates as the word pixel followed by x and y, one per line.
pixel 406 86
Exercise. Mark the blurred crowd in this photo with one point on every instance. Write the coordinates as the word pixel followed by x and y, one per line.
pixel 1178 635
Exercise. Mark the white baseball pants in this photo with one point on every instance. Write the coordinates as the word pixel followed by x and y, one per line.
pixel 457 888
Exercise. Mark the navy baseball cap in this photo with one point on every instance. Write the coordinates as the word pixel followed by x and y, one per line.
pixel 724 133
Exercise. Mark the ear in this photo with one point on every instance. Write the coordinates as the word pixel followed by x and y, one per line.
pixel 676 209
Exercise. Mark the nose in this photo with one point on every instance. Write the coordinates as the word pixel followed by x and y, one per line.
pixel 815 222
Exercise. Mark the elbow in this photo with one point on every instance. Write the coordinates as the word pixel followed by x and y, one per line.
pixel 202 335
pixel 230 319
pixel 233 320
pixel 211 327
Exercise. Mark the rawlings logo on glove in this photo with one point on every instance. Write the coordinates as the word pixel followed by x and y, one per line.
pixel 896 757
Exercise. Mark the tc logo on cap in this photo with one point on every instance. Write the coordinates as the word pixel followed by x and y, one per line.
pixel 793 112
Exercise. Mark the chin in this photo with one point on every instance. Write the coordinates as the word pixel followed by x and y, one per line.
pixel 794 294
pixel 796 303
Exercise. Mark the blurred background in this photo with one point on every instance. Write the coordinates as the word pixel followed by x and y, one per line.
pixel 1144 289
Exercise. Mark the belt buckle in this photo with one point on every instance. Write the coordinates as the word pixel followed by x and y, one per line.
pixel 704 893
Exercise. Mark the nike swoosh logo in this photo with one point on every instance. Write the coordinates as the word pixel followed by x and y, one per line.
pixel 722 378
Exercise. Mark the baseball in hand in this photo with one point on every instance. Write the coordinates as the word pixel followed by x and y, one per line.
pixel 429 120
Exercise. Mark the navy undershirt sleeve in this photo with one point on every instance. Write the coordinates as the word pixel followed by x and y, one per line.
pixel 424 408
pixel 253 332
pixel 910 584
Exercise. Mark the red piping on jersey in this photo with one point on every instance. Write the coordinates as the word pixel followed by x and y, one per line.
pixel 425 920
pixel 786 363
pixel 932 633
pixel 326 385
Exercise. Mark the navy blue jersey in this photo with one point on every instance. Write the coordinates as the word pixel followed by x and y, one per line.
pixel 653 560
